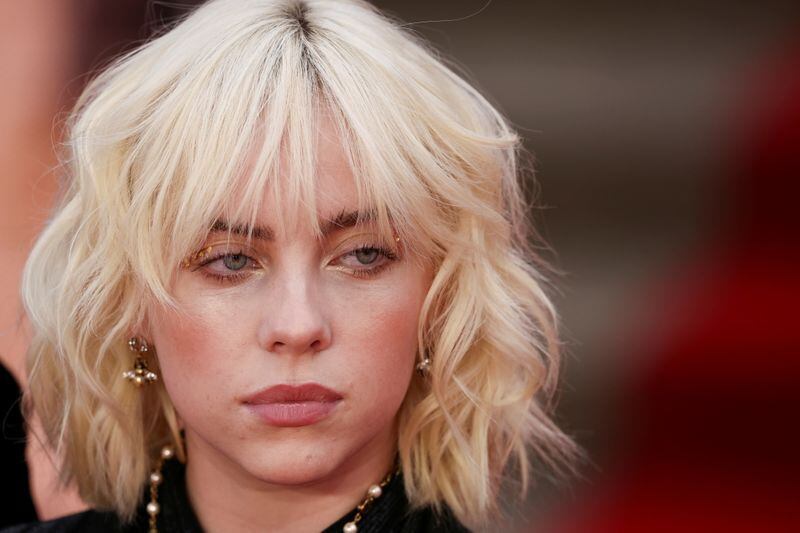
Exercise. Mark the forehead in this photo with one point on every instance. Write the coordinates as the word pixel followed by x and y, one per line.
pixel 334 183
pixel 322 188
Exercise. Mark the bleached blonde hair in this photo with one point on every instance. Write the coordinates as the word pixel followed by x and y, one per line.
pixel 156 147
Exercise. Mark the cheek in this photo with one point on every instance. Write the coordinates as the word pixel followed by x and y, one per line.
pixel 387 313
pixel 380 343
pixel 191 350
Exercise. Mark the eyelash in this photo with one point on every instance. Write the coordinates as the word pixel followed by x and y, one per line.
pixel 370 272
pixel 363 273
pixel 232 278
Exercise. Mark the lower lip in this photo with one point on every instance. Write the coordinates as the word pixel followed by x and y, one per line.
pixel 292 415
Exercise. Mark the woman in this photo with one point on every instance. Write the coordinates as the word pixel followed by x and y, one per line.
pixel 289 286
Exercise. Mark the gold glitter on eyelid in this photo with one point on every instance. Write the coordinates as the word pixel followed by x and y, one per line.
pixel 200 254
pixel 197 256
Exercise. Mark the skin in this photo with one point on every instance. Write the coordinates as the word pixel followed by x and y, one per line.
pixel 301 313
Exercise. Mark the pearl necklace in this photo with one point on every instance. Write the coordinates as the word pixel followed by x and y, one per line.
pixel 153 509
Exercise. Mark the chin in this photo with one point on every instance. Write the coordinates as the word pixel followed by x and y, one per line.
pixel 289 465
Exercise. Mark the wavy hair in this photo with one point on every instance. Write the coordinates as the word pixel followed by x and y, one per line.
pixel 156 146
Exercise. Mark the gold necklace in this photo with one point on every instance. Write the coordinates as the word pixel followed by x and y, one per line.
pixel 155 480
pixel 153 509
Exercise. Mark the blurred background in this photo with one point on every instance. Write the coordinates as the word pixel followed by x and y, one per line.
pixel 667 144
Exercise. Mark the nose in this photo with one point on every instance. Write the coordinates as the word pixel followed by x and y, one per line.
pixel 294 321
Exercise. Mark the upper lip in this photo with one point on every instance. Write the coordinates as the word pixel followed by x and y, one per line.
pixel 308 392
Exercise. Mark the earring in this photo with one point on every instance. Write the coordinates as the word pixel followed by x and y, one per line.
pixel 140 375
pixel 424 367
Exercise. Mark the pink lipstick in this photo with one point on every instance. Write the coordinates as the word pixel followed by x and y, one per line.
pixel 293 405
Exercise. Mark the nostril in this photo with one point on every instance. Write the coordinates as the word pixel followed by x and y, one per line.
pixel 315 344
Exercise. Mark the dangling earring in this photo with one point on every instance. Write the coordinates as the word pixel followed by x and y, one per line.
pixel 140 375
pixel 424 367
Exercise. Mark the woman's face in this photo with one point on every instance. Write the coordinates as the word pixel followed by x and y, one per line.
pixel 293 310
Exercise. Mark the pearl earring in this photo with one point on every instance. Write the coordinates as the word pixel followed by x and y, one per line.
pixel 140 375
pixel 424 367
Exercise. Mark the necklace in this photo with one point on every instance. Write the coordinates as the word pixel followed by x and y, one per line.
pixel 153 509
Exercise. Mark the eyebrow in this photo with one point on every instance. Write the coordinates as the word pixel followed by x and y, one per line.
pixel 343 220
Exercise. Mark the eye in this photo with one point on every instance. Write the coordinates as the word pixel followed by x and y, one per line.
pixel 367 260
pixel 366 256
pixel 228 266
pixel 234 261
pixel 229 261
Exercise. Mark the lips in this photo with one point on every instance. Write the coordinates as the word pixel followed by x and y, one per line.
pixel 293 405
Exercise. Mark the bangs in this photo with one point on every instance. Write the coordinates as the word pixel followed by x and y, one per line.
pixel 245 121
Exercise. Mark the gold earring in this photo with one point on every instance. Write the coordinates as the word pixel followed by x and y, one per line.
pixel 140 375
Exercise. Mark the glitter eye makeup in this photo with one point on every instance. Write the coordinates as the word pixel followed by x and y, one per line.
pixel 223 263
pixel 229 266
pixel 370 260
pixel 238 265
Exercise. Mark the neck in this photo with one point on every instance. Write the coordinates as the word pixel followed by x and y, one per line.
pixel 225 497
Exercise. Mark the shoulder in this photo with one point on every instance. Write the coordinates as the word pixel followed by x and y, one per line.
pixel 87 521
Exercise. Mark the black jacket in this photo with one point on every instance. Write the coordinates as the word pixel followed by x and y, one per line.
pixel 388 514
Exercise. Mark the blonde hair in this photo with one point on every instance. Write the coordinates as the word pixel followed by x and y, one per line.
pixel 157 145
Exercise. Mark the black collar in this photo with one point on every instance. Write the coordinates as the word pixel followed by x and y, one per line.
pixel 390 513
pixel 387 513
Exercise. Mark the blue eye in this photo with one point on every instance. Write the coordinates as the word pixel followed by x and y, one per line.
pixel 370 260
pixel 229 267
pixel 366 256
pixel 235 266
pixel 234 261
